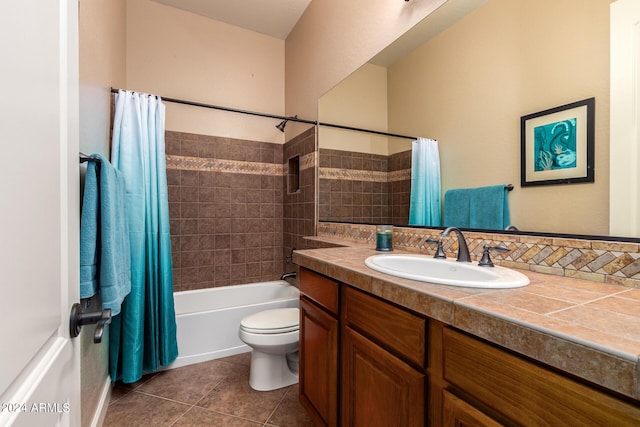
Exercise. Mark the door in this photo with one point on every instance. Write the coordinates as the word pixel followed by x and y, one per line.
pixel 624 136
pixel 40 375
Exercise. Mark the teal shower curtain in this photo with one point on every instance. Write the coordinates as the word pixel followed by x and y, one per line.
pixel 425 206
pixel 143 336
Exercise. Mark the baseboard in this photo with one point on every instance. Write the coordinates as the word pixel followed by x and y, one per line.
pixel 103 403
pixel 204 357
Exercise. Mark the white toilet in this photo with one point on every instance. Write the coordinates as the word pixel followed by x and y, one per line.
pixel 273 336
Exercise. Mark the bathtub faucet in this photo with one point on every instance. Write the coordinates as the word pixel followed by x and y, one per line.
pixel 286 276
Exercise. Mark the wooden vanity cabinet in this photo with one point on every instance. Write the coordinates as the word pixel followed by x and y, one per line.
pixel 362 360
pixel 382 360
pixel 515 391
pixel 319 336
pixel 367 362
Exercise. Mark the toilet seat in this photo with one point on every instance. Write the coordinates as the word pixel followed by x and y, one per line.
pixel 277 321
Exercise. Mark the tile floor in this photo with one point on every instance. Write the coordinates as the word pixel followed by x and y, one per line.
pixel 214 393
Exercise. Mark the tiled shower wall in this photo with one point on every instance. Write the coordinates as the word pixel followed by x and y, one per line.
pixel 226 203
pixel 364 188
pixel 299 207
pixel 400 183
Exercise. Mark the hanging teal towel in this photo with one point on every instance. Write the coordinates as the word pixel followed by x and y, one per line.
pixel 425 201
pixel 104 236
pixel 482 207
pixel 89 249
pixel 457 208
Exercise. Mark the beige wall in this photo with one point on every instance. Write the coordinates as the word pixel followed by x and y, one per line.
pixel 334 38
pixel 102 64
pixel 469 86
pixel 178 54
pixel 360 101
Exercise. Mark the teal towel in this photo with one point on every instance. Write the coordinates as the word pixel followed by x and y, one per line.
pixel 482 207
pixel 456 208
pixel 105 257
pixel 89 258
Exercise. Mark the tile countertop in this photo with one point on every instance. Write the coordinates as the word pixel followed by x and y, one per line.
pixel 588 329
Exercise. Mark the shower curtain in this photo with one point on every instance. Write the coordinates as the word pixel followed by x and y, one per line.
pixel 425 202
pixel 143 336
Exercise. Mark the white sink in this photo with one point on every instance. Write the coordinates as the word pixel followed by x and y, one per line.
pixel 446 271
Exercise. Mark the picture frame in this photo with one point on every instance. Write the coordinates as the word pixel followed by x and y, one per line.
pixel 557 145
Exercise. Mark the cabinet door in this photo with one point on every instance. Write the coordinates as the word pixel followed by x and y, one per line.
pixel 513 388
pixel 378 389
pixel 319 363
pixel 458 413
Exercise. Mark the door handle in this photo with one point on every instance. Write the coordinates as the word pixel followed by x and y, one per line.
pixel 79 319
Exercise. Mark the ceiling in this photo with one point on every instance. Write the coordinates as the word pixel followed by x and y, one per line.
pixel 275 18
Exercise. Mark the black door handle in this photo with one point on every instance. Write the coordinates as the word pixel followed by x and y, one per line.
pixel 79 319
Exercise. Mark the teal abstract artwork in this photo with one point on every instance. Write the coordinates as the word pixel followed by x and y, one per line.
pixel 555 145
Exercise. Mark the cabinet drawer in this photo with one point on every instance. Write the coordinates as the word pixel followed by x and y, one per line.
pixel 401 332
pixel 525 392
pixel 320 289
pixel 457 412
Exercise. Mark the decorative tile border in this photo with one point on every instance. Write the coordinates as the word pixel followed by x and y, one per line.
pixel 234 166
pixel 364 175
pixel 399 175
pixel 308 161
pixel 218 165
pixel 594 260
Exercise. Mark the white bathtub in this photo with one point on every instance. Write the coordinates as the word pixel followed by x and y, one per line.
pixel 208 320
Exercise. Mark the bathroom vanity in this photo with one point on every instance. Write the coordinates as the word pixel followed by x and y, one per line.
pixel 377 350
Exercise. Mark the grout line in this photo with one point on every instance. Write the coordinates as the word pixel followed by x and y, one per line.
pixel 163 398
pixel 266 422
pixel 138 383
pixel 584 303
pixel 181 416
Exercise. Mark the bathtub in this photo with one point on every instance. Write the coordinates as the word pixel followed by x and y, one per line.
pixel 208 320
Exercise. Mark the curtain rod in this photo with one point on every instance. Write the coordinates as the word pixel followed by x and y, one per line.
pixel 274 116
pixel 366 130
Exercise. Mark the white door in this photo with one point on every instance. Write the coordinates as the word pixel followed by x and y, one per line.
pixel 40 364
pixel 624 135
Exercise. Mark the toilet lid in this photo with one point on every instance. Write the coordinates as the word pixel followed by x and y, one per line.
pixel 275 321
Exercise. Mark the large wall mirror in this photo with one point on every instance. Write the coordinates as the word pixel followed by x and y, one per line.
pixel 479 68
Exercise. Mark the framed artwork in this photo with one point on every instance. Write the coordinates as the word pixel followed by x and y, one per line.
pixel 557 145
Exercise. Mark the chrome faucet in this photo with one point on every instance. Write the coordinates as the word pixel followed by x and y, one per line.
pixel 463 249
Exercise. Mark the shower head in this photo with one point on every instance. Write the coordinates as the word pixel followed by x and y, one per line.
pixel 283 123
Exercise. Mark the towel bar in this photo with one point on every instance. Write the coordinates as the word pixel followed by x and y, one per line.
pixel 85 158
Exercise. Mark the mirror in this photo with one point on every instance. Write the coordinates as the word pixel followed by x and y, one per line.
pixel 467 86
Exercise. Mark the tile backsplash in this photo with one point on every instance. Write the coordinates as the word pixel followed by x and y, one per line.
pixel 595 260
